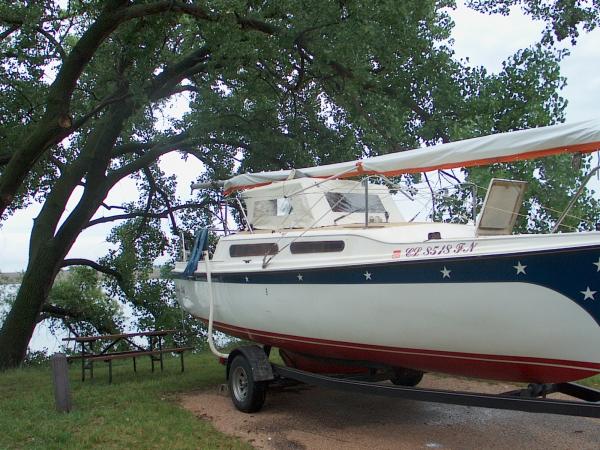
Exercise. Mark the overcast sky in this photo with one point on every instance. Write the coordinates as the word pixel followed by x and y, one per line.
pixel 485 39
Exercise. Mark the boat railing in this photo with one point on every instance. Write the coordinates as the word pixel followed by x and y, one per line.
pixel 574 199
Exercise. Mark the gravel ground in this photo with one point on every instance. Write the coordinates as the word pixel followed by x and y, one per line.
pixel 306 417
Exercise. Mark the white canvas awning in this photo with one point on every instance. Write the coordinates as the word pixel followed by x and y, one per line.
pixel 502 147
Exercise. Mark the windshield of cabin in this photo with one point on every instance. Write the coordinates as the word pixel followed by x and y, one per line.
pixel 274 207
pixel 353 202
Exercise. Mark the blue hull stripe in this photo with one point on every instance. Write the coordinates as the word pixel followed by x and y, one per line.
pixel 574 272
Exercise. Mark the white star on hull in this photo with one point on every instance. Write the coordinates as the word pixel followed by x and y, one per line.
pixel 367 275
pixel 588 294
pixel 520 268
pixel 445 272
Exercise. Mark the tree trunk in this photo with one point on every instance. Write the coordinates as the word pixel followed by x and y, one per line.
pixel 20 322
pixel 49 248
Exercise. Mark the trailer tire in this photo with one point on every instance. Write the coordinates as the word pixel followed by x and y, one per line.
pixel 406 377
pixel 247 395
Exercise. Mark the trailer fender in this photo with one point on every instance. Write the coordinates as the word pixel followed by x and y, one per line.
pixel 258 359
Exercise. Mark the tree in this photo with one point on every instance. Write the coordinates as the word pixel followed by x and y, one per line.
pixel 564 18
pixel 269 85
pixel 77 303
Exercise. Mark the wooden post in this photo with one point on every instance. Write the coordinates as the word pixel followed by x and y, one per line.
pixel 60 376
pixel 82 361
pixel 151 354
pixel 161 352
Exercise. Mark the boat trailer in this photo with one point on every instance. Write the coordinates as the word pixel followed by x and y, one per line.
pixel 249 372
pixel 532 399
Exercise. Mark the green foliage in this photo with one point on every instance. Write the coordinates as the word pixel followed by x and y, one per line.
pixel 152 299
pixel 87 309
pixel 36 358
pixel 564 19
pixel 266 85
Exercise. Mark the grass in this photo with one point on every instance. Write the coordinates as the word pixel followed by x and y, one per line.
pixel 593 382
pixel 138 410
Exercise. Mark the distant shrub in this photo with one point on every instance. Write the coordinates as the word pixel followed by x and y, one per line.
pixel 36 358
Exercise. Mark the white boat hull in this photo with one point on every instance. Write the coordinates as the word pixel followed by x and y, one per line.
pixel 532 316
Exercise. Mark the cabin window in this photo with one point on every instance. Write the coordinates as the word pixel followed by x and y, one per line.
pixel 274 207
pixel 317 247
pixel 353 202
pixel 241 250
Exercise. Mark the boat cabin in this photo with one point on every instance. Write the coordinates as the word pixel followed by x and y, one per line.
pixel 313 203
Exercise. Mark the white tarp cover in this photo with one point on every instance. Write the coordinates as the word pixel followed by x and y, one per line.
pixel 502 147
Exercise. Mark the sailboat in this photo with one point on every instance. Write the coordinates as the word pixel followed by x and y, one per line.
pixel 329 271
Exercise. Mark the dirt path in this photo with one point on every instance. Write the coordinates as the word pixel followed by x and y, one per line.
pixel 313 418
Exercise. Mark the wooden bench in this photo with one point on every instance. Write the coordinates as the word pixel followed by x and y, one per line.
pixel 154 350
pixel 108 357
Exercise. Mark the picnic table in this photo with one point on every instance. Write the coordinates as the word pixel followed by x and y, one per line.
pixel 104 348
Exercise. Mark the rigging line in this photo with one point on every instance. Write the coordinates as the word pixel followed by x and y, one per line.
pixel 546 208
pixel 485 189
pixel 542 207
pixel 396 186
pixel 424 203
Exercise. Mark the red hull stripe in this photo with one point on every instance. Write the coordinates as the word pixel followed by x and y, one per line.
pixel 501 367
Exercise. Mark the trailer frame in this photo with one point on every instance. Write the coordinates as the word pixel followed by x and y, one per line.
pixel 531 399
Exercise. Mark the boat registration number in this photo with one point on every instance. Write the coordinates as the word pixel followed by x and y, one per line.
pixel 435 250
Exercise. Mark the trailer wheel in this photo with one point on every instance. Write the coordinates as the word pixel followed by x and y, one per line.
pixel 247 395
pixel 406 377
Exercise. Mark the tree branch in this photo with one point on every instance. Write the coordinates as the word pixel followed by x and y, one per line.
pixel 166 81
pixel 247 23
pixel 182 88
pixel 433 206
pixel 147 208
pixel 49 310
pixel 109 207
pixel 5 157
pixel 57 162
pixel 131 147
pixel 100 268
pixel 57 123
pixel 147 158
pixel 94 265
pixel 80 121
pixel 151 215
pixel 8 32
pixel 53 41
pixel 164 196
pixel 136 11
